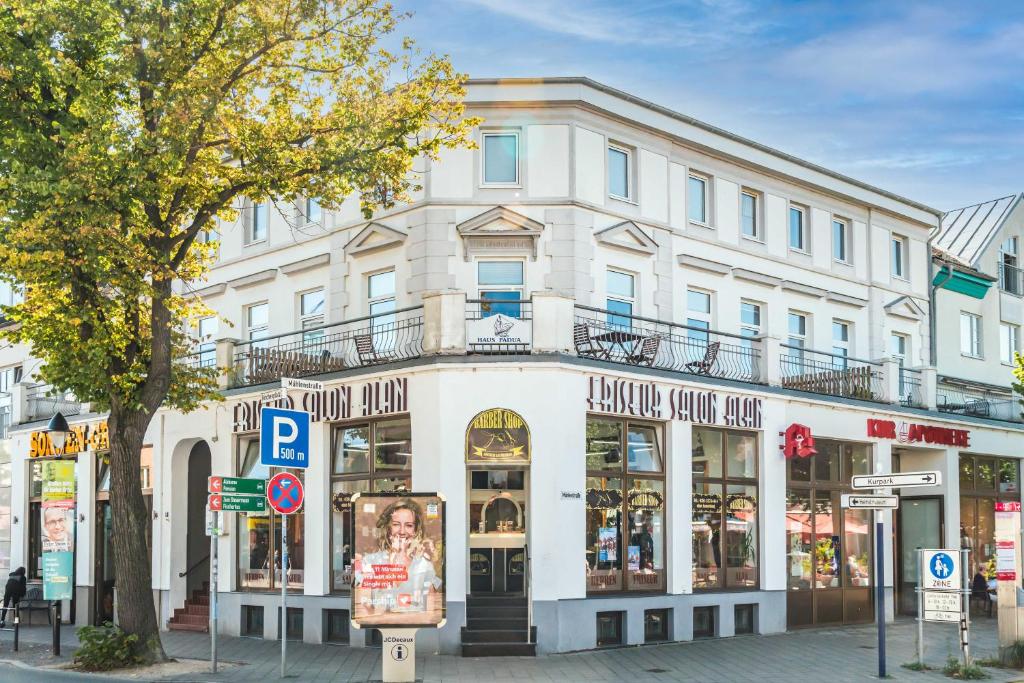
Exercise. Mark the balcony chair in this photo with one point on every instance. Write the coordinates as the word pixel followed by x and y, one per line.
pixel 585 345
pixel 704 365
pixel 648 352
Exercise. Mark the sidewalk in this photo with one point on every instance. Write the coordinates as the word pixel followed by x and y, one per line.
pixel 836 655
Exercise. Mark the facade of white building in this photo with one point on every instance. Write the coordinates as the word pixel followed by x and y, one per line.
pixel 659 300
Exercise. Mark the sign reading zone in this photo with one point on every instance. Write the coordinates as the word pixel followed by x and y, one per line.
pixel 284 438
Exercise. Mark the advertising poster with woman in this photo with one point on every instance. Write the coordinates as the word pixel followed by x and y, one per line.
pixel 399 563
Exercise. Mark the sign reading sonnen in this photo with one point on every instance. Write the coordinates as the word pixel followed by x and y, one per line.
pixel 399 564
pixel 498 435
pixel 82 437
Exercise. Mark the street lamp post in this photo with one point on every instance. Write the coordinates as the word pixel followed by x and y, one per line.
pixel 58 430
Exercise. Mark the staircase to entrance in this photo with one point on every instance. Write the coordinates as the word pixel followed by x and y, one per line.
pixel 195 615
pixel 497 625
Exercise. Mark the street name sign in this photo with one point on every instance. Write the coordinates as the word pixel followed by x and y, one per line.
pixel 941 570
pixel 301 384
pixel 284 438
pixel 942 606
pixel 897 480
pixel 250 487
pixel 868 502
pixel 273 395
pixel 232 503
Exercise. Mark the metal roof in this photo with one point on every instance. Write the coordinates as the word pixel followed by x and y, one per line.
pixel 966 233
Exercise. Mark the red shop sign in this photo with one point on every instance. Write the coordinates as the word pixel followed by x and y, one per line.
pixel 914 433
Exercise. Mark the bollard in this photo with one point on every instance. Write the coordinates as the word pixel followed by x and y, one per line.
pixel 56 629
pixel 17 627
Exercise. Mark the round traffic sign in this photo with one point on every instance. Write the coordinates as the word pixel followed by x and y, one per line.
pixel 284 492
pixel 941 566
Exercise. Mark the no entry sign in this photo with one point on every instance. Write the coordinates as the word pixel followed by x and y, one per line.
pixel 285 493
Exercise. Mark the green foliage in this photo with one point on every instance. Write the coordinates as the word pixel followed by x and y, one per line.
pixel 1013 655
pixel 105 647
pixel 916 666
pixel 970 672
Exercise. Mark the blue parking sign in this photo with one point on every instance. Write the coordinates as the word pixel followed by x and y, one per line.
pixel 284 438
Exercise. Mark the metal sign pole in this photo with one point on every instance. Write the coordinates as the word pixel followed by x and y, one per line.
pixel 213 591
pixel 920 608
pixel 965 608
pixel 284 591
pixel 880 591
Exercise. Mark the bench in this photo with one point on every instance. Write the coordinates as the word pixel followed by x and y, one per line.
pixel 33 602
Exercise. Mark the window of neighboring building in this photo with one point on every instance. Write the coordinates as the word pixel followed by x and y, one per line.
pixel 899 256
pixel 314 214
pixel 311 315
pixel 259 216
pixel 749 225
pixel 840 237
pixel 1009 270
pixel 501 158
pixel 797 228
pixel 625 498
pixel 500 282
pixel 1008 335
pixel 840 342
pixel 698 316
pixel 257 321
pixel 620 162
pixel 970 334
pixel 898 345
pixel 621 296
pixel 371 456
pixel 10 294
pixel 259 535
pixel 984 481
pixel 725 539
pixel 697 201
pixel 206 330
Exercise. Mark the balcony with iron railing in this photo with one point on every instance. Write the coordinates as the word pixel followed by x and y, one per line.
pixel 499 326
pixel 634 340
pixel 1011 279
pixel 42 402
pixel 821 372
pixel 965 399
pixel 911 388
pixel 370 340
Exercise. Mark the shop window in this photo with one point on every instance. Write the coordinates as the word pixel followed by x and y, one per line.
pixel 704 622
pixel 35 529
pixel 294 623
pixel 372 456
pixel 725 538
pixel 609 629
pixel 252 621
pixel 983 482
pixel 259 535
pixel 656 625
pixel 625 500
pixel 336 626
pixel 743 619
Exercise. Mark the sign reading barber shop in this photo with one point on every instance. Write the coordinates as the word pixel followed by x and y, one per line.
pixel 650 400
pixel 498 435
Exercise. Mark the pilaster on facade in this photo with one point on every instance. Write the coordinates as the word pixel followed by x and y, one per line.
pixel 571 253
pixel 431 238
pixel 444 323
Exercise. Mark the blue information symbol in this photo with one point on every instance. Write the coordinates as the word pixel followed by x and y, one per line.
pixel 941 566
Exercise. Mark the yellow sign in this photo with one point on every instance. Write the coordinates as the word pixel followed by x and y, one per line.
pixel 498 435
pixel 94 437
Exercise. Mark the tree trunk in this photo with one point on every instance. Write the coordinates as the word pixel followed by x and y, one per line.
pixel 136 610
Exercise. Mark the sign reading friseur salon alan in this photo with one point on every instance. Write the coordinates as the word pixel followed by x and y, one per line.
pixel 498 435
pixel 651 400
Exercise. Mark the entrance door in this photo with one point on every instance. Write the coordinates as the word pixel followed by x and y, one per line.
pixel 197 549
pixel 497 533
pixel 919 526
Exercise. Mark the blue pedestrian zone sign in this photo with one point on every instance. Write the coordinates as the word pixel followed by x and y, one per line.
pixel 941 569
pixel 284 438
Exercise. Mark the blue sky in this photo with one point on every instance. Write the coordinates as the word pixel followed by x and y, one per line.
pixel 922 99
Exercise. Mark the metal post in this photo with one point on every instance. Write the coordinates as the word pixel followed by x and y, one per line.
pixel 880 591
pixel 213 591
pixel 965 608
pixel 17 626
pixel 284 591
pixel 56 628
pixel 920 610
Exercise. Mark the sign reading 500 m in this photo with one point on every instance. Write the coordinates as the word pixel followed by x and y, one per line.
pixel 498 435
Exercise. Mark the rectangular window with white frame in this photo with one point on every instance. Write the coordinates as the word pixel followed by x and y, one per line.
pixel 750 220
pixel 1009 336
pixel 312 211
pixel 1009 270
pixel 206 333
pixel 259 217
pixel 970 335
pixel 841 240
pixel 840 343
pixel 500 286
pixel 620 172
pixel 381 303
pixel 698 318
pixel 797 227
pixel 899 257
pixel 311 315
pixel 750 328
pixel 257 323
pixel 501 158
pixel 898 346
pixel 620 288
pixel 797 340
pixel 698 198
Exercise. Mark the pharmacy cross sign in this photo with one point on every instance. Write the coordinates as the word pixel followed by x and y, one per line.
pixel 284 492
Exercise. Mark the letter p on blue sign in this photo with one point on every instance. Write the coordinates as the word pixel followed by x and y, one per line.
pixel 284 438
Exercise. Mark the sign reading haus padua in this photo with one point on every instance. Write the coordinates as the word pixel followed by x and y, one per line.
pixel 498 435
pixel 916 433
pixel 498 329
pixel 650 400
pixel 378 397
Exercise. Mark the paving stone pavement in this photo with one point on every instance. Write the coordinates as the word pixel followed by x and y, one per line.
pixel 837 655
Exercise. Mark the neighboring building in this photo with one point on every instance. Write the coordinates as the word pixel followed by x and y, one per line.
pixel 672 299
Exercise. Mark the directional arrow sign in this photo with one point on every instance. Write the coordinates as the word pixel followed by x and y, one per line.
pixel 896 481
pixel 854 500
pixel 253 487
pixel 232 503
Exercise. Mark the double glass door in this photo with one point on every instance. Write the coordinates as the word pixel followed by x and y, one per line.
pixel 497 531
pixel 919 526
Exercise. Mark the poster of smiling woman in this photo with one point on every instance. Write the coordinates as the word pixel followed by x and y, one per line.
pixel 398 571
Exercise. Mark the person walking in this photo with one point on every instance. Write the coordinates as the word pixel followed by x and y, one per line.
pixel 14 591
